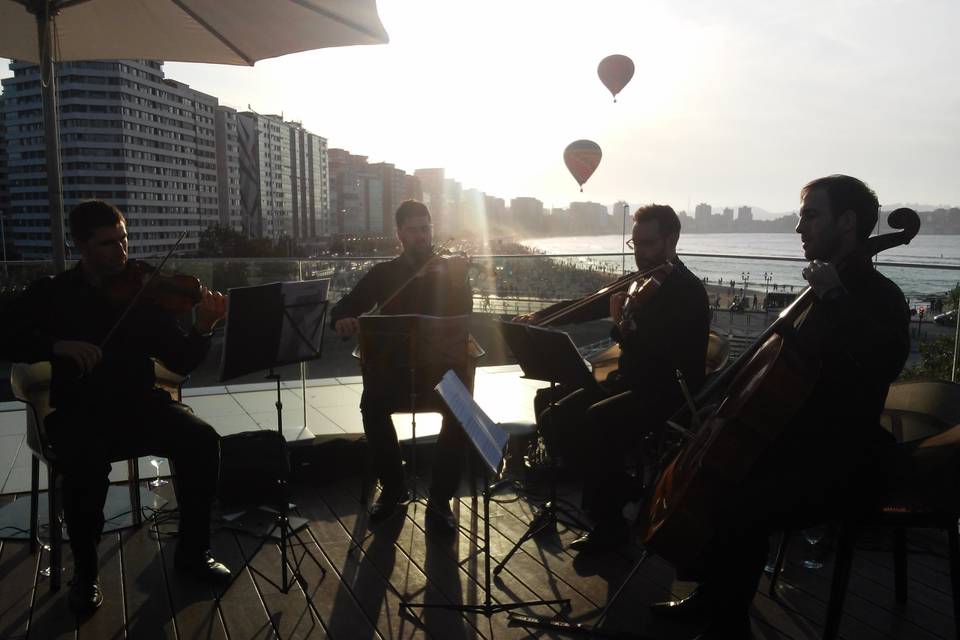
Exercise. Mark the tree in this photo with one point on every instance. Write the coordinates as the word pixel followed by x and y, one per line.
pixel 936 360
pixel 224 242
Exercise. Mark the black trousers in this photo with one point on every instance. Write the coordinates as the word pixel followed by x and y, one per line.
pixel 593 431
pixel 376 406
pixel 788 491
pixel 86 439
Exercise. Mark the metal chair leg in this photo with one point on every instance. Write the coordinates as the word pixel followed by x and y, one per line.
pixel 953 539
pixel 133 483
pixel 778 563
pixel 841 579
pixel 34 504
pixel 56 531
pixel 900 564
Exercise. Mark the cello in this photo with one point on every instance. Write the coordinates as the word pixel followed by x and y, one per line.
pixel 760 393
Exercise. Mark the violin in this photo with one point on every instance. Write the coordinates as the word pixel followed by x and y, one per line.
pixel 175 293
pixel 639 293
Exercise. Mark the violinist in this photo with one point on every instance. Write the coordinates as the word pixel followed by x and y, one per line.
pixel 105 404
pixel 664 333
pixel 830 461
pixel 416 282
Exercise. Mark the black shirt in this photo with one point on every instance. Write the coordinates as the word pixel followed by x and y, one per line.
pixel 66 307
pixel 672 332
pixel 431 294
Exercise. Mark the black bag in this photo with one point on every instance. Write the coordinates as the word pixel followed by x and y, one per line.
pixel 252 465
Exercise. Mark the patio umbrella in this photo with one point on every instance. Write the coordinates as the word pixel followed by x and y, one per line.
pixel 237 32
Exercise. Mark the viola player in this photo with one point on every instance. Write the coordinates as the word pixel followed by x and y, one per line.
pixel 666 332
pixel 408 284
pixel 105 403
pixel 830 459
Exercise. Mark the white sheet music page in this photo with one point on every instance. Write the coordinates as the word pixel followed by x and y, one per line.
pixel 488 439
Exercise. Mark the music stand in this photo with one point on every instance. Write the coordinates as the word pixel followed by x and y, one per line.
pixel 488 441
pixel 548 355
pixel 412 351
pixel 268 326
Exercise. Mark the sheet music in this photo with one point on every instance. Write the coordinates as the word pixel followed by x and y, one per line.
pixel 488 439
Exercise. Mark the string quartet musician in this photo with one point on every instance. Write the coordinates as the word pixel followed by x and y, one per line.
pixel 396 282
pixel 105 404
pixel 593 427
pixel 831 463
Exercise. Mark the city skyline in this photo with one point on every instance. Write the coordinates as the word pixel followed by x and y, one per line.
pixel 739 105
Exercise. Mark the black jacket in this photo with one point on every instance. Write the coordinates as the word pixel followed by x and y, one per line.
pixel 65 307
pixel 426 295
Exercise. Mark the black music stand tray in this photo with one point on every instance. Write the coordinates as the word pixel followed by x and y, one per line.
pixel 413 351
pixel 548 355
pixel 488 441
pixel 269 326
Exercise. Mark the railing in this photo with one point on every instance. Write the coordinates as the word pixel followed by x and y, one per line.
pixel 508 285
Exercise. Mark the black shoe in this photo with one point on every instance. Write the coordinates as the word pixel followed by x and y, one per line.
pixel 603 538
pixel 696 606
pixel 440 514
pixel 387 503
pixel 202 566
pixel 85 596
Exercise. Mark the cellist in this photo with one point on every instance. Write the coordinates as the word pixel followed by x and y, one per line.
pixel 666 333
pixel 406 285
pixel 832 463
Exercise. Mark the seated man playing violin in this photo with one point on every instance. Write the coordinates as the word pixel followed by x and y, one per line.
pixel 105 404
pixel 416 282
pixel 664 328
pixel 828 461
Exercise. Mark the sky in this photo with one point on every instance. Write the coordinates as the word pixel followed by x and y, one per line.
pixel 732 103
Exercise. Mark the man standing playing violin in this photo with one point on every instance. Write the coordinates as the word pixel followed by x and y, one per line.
pixel 666 332
pixel 407 285
pixel 830 460
pixel 106 406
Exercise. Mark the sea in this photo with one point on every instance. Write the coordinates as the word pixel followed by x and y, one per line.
pixel 763 260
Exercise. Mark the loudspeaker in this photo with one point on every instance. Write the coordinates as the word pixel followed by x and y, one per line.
pixel 252 465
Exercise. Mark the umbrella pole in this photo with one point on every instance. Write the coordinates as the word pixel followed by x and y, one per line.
pixel 51 133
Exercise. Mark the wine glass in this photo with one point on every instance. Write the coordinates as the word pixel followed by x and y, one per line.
pixel 158 481
pixel 814 536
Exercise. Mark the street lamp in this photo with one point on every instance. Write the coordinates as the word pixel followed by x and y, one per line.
pixel 745 276
pixel 767 277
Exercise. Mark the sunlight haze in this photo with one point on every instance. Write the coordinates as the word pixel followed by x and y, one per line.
pixel 733 103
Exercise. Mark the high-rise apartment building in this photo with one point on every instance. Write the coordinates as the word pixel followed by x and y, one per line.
pixel 394 192
pixel 228 169
pixel 526 213
pixel 128 136
pixel 284 181
pixel 357 189
pixel 703 212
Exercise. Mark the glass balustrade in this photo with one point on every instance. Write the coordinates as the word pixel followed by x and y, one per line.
pixel 745 293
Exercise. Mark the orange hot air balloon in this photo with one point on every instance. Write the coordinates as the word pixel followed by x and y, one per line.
pixel 582 158
pixel 615 72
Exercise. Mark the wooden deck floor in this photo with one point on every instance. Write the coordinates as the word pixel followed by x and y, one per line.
pixel 364 574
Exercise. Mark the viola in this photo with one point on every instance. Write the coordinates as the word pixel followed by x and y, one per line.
pixel 175 293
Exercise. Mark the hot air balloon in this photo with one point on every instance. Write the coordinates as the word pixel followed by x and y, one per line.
pixel 615 72
pixel 582 158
